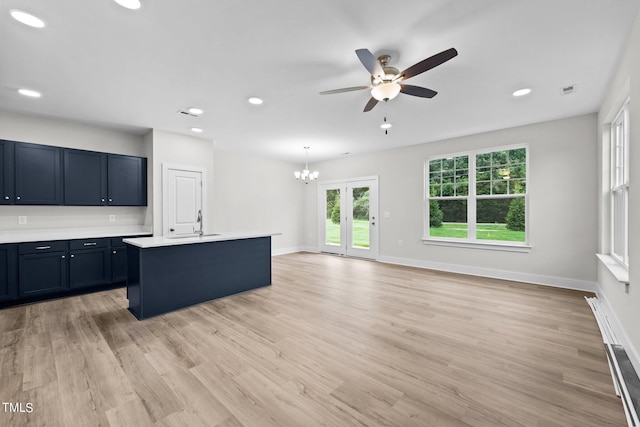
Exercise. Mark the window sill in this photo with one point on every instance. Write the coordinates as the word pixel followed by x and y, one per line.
pixel 619 271
pixel 492 246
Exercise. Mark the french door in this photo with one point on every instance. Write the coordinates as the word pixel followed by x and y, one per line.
pixel 348 217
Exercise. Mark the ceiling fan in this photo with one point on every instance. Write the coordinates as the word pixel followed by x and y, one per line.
pixel 386 81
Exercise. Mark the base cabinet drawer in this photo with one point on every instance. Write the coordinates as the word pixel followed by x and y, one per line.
pixel 42 273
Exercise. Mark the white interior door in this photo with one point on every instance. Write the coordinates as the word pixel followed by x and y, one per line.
pixel 348 217
pixel 183 195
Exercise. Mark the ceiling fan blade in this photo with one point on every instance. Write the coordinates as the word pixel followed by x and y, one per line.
pixel 427 64
pixel 421 92
pixel 372 103
pixel 346 89
pixel 370 62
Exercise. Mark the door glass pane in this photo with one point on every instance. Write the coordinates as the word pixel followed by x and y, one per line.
pixel 360 225
pixel 332 220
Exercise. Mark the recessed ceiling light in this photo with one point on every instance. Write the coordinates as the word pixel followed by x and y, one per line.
pixel 196 130
pixel 522 92
pixel 195 111
pixel 129 4
pixel 30 93
pixel 27 18
pixel 255 100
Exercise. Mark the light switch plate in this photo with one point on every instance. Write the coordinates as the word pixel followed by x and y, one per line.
pixel 112 218
pixel 22 220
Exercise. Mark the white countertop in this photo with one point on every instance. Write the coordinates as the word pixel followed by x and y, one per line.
pixel 158 241
pixel 36 235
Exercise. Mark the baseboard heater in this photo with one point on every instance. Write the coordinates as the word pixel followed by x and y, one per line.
pixel 625 378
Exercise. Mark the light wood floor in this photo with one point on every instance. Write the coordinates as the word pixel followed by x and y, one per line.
pixel 333 342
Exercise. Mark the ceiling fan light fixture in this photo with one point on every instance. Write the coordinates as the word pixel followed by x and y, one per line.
pixel 385 91
pixel 26 18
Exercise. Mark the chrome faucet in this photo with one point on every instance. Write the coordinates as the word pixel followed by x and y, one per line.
pixel 199 219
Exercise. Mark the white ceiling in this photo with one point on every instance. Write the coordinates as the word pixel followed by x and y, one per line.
pixel 99 63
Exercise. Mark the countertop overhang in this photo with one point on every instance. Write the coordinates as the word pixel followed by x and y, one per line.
pixel 160 241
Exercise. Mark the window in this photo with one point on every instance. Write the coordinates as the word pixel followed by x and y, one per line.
pixel 478 197
pixel 620 186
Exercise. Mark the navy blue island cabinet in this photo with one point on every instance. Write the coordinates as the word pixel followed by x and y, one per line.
pixel 166 274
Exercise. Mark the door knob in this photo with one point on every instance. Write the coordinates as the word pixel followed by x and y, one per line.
pixel 172 229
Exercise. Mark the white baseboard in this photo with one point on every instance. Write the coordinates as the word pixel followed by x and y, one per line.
pixel 619 331
pixel 284 251
pixel 558 282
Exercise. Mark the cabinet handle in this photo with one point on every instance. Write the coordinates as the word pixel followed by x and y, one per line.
pixel 72 256
pixel 18 198
pixel 6 197
pixel 115 252
pixel 111 200
pixel 63 257
pixel 42 248
pixel 102 200
pixel 90 244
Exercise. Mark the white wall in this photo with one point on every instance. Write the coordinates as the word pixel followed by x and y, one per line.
pixel 38 130
pixel 184 150
pixel 255 193
pixel 623 304
pixel 563 207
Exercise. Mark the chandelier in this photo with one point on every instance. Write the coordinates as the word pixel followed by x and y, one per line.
pixel 306 176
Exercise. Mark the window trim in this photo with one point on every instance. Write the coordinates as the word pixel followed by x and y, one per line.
pixel 621 119
pixel 471 241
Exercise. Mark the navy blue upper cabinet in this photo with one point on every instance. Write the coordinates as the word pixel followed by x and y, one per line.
pixel 85 178
pixel 6 172
pixel 127 180
pixel 38 174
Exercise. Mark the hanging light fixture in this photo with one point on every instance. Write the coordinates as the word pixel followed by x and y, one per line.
pixel 306 176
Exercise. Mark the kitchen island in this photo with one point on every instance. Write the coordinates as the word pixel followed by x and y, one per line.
pixel 167 273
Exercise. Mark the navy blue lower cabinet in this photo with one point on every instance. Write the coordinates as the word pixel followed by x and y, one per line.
pixel 118 264
pixel 8 272
pixel 89 263
pixel 167 278
pixel 42 273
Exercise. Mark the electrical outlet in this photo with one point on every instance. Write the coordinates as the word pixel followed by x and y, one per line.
pixel 112 218
pixel 400 242
pixel 387 214
pixel 22 220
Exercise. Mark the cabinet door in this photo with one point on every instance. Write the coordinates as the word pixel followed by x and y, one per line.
pixel 127 180
pixel 89 267
pixel 42 273
pixel 8 270
pixel 118 264
pixel 85 178
pixel 6 172
pixel 38 174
